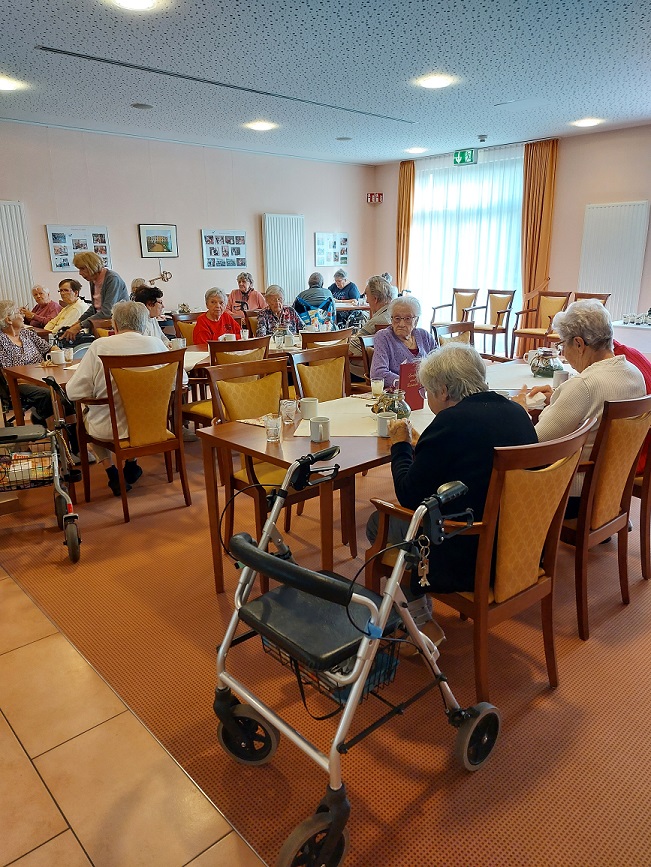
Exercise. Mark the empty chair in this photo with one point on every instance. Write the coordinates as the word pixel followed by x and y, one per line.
pixel 184 325
pixel 455 332
pixel 538 320
pixel 497 311
pixel 461 298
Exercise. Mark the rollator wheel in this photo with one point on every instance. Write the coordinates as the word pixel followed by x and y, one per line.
pixel 60 509
pixel 259 740
pixel 477 736
pixel 73 541
pixel 302 847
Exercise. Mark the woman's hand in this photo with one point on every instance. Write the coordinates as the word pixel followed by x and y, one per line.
pixel 547 390
pixel 400 431
pixel 26 313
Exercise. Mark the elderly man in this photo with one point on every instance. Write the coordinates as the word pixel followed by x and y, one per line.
pixel 343 289
pixel 316 305
pixel 45 308
pixel 130 323
pixel 72 306
pixel 378 296
pixel 106 286
pixel 152 298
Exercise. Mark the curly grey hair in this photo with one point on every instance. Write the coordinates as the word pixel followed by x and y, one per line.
pixel 587 319
pixel 7 307
pixel 244 276
pixel 458 367
pixel 379 289
pixel 130 316
pixel 211 293
pixel 340 274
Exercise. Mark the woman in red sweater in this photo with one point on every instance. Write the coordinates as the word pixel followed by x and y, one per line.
pixel 216 321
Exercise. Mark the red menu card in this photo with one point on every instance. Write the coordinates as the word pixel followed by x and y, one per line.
pixel 410 385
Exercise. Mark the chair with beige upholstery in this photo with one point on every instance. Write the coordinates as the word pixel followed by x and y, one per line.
pixel 323 373
pixel 523 545
pixel 538 320
pixel 600 296
pixel 184 324
pixel 251 320
pixel 150 389
pixel 312 340
pixel 606 494
pixel 642 489
pixel 461 299
pixel 455 332
pixel 497 311
pixel 101 327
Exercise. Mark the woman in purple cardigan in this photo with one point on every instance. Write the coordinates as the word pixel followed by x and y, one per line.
pixel 402 341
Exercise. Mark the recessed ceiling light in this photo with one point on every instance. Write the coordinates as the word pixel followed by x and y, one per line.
pixel 136 5
pixel 588 121
pixel 9 83
pixel 415 150
pixel 344 138
pixel 435 81
pixel 141 105
pixel 261 125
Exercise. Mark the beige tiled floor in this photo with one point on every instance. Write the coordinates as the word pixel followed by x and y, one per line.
pixel 81 780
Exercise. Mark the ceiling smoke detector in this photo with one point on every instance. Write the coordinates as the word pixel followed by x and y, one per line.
pixel 482 137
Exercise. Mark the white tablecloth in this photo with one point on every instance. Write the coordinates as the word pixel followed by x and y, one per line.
pixel 351 417
pixel 515 374
pixel 191 359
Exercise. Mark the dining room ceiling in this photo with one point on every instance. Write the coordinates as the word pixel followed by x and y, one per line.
pixel 336 77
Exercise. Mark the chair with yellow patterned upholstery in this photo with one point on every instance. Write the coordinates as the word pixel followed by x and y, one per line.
pixel 101 327
pixel 606 494
pixel 184 325
pixel 497 311
pixel 251 322
pixel 553 338
pixel 516 558
pixel 316 339
pixel 150 388
pixel 455 332
pixel 202 412
pixel 461 298
pixel 538 319
pixel 642 489
pixel 323 373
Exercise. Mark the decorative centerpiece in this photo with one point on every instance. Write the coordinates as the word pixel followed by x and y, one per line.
pixel 392 400
pixel 545 361
pixel 183 308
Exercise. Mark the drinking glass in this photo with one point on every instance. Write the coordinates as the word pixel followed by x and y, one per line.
pixel 272 427
pixel 377 387
pixel 245 333
pixel 288 411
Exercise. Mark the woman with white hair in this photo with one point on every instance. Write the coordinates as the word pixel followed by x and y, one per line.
pixel 44 310
pixel 402 341
pixel 586 333
pixel 216 321
pixel 277 314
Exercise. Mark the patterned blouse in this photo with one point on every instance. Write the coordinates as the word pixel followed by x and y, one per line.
pixel 268 321
pixel 33 350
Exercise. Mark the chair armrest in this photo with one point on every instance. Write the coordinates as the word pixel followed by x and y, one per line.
pixel 475 307
pixel 93 401
pixel 392 509
pixel 440 307
pixel 524 313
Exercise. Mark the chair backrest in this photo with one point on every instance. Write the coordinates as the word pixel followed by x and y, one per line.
pixel 599 296
pixel 455 332
pixel 251 322
pixel 101 327
pixel 549 304
pixel 462 298
pixel 325 338
pixel 608 483
pixel 184 325
pixel 248 389
pixel 368 348
pixel 323 373
pixel 528 492
pixel 230 351
pixel 498 307
pixel 145 384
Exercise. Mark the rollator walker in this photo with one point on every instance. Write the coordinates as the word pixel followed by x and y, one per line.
pixel 343 640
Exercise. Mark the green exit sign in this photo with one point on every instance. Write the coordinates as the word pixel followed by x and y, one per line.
pixel 465 157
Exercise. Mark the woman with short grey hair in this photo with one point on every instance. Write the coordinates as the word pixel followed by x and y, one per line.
pixel 130 316
pixel 401 342
pixel 460 370
pixel 216 321
pixel 245 297
pixel 277 315
pixel 342 289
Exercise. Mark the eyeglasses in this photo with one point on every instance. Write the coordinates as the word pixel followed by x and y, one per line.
pixel 422 391
pixel 405 319
pixel 560 345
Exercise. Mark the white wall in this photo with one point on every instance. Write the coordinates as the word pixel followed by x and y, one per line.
pixel 80 178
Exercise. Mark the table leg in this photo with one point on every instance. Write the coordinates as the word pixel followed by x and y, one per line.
pixel 212 501
pixel 12 383
pixel 326 506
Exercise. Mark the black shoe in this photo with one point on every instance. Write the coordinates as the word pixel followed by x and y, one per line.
pixel 114 481
pixel 132 472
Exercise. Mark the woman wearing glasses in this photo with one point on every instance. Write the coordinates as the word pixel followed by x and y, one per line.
pixel 402 341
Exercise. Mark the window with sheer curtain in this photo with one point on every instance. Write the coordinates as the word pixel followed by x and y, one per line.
pixel 466 226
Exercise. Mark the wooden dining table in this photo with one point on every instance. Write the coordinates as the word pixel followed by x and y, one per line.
pixel 34 374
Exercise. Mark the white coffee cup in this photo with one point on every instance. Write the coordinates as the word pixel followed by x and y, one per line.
pixel 289 341
pixel 309 407
pixel 384 419
pixel 559 377
pixel 177 343
pixel 529 356
pixel 320 429
pixel 244 333
pixel 228 337
pixel 56 356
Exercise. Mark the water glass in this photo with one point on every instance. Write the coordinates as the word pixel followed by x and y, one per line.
pixel 288 411
pixel 272 427
pixel 245 333
pixel 69 354
pixel 279 340
pixel 377 387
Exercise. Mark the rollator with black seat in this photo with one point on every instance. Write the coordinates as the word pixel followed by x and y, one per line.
pixel 341 639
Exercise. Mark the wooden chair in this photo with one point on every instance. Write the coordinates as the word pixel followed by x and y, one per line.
pixel 528 492
pixel 461 299
pixel 548 305
pixel 251 320
pixel 101 327
pixel 497 311
pixel 151 398
pixel 642 489
pixel 312 340
pixel 606 494
pixel 455 332
pixel 184 325
pixel 202 412
pixel 368 347
pixel 600 296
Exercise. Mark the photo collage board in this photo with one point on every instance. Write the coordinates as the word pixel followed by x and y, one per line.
pixel 331 248
pixel 223 249
pixel 65 241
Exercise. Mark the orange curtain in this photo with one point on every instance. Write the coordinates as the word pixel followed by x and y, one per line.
pixel 406 180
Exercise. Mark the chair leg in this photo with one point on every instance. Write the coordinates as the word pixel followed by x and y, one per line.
pixel 85 470
pixel 183 473
pixel 299 507
pixel 480 650
pixel 547 614
pixel 168 466
pixel 581 587
pixel 348 527
pixel 645 533
pixel 260 508
pixel 229 517
pixel 123 490
pixel 622 562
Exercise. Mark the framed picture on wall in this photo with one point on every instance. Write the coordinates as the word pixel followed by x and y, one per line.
pixel 158 241
pixel 330 248
pixel 65 241
pixel 223 248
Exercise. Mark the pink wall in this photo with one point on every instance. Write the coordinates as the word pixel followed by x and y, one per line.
pixel 69 177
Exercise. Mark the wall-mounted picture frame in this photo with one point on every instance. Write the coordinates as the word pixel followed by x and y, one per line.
pixel 65 241
pixel 158 241
pixel 223 249
pixel 330 248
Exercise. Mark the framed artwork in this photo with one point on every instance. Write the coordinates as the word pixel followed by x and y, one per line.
pixel 223 248
pixel 65 241
pixel 330 248
pixel 158 241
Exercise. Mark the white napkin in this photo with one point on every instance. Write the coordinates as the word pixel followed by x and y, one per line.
pixel 537 401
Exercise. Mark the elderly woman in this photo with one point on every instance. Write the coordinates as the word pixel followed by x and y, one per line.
pixel 389 278
pixel 107 288
pixel 378 295
pixel 45 308
pixel 152 298
pixel 216 321
pixel 245 297
pixel 586 333
pixel 343 289
pixel 71 306
pixel 277 314
pixel 401 342
pixel 470 421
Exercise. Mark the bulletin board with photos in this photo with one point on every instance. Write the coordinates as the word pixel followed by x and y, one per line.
pixel 66 241
pixel 331 248
pixel 223 249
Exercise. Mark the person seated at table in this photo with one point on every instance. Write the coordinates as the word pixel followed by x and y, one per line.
pixel 152 298
pixel 586 333
pixel 343 289
pixel 107 288
pixel 130 319
pixel 470 420
pixel 245 297
pixel 389 278
pixel 402 341
pixel 45 309
pixel 138 283
pixel 277 314
pixel 316 305
pixel 378 297
pixel 216 321
pixel 71 306
pixel 20 346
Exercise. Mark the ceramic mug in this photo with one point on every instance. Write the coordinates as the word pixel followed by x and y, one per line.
pixel 228 337
pixel 56 356
pixel 384 419
pixel 309 407
pixel 320 429
pixel 529 356
pixel 177 343
pixel 559 377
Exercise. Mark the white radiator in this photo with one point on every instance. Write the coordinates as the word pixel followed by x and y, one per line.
pixel 15 260
pixel 612 253
pixel 283 249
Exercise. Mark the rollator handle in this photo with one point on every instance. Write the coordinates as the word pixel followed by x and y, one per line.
pixel 324 454
pixel 450 491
